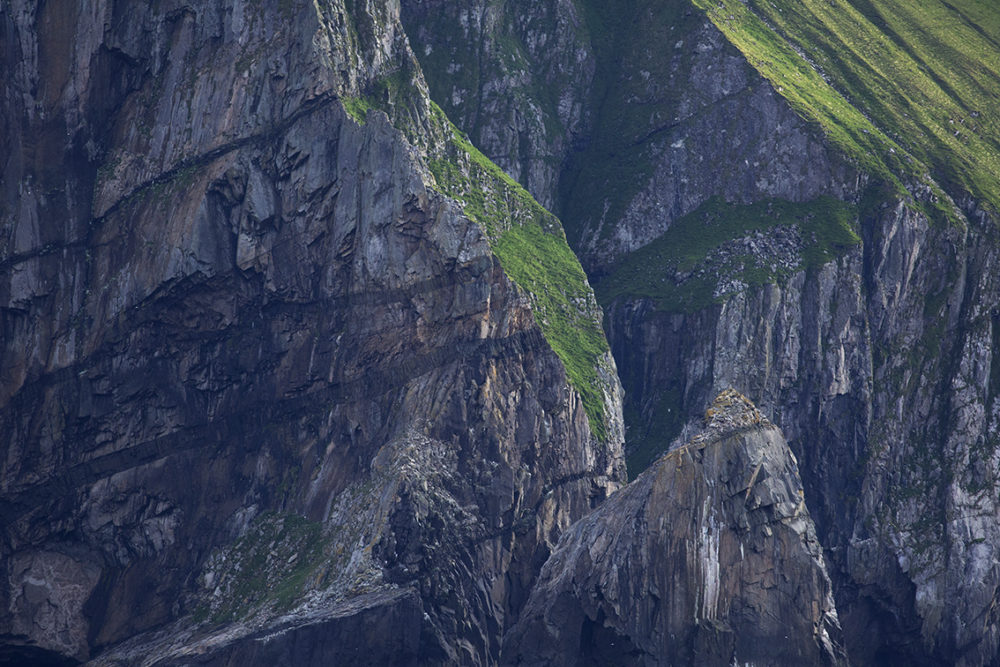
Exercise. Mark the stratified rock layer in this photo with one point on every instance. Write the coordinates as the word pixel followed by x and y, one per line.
pixel 708 558
pixel 261 381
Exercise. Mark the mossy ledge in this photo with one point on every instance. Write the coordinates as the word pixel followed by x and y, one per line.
pixel 530 243
pixel 267 568
pixel 683 270
pixel 528 240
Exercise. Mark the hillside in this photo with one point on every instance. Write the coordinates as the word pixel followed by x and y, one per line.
pixel 907 90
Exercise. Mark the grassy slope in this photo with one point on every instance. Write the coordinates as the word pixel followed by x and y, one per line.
pixel 905 88
pixel 532 248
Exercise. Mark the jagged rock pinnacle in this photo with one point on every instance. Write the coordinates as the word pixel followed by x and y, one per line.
pixel 709 557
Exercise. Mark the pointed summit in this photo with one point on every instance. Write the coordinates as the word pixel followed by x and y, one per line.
pixel 709 557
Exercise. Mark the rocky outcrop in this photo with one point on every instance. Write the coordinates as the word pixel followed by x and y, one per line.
pixel 371 629
pixel 660 131
pixel 283 360
pixel 708 558
pixel 861 364
pixel 263 385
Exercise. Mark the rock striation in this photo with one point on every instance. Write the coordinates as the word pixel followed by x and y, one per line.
pixel 267 394
pixel 516 77
pixel 876 359
pixel 709 557
pixel 291 373
pixel 869 391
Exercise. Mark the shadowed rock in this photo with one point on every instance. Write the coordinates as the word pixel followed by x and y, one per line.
pixel 709 558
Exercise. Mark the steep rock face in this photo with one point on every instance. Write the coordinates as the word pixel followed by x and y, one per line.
pixel 257 373
pixel 660 131
pixel 877 363
pixel 516 77
pixel 708 558
pixel 721 130
pixel 868 365
pixel 800 348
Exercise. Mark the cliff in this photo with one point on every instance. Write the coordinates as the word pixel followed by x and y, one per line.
pixel 796 200
pixel 293 373
pixel 262 379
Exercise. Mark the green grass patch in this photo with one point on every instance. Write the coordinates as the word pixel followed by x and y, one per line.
pixel 827 228
pixel 532 248
pixel 396 94
pixel 357 108
pixel 269 566
pixel 906 89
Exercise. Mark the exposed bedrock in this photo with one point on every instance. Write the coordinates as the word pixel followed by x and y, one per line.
pixel 708 558
pixel 261 381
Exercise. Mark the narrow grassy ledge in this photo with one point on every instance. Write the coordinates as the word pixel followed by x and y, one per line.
pixel 531 246
pixel 267 567
pixel 357 108
pixel 904 88
pixel 826 227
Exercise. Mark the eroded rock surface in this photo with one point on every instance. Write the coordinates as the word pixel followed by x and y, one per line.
pixel 708 558
pixel 260 379
pixel 878 362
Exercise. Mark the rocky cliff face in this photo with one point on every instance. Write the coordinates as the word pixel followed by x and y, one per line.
pixel 637 137
pixel 691 563
pixel 866 364
pixel 264 387
pixel 866 331
pixel 290 370
pixel 516 77
pixel 863 362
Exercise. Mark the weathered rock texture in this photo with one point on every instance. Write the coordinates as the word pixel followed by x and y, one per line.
pixel 262 384
pixel 880 366
pixel 715 128
pixel 866 364
pixel 636 137
pixel 515 76
pixel 708 558
pixel 253 365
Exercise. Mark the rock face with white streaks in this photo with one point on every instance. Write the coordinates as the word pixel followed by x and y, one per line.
pixel 878 362
pixel 273 381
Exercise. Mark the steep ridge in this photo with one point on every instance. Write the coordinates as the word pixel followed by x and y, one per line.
pixel 906 90
pixel 269 395
pixel 797 200
pixel 708 558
